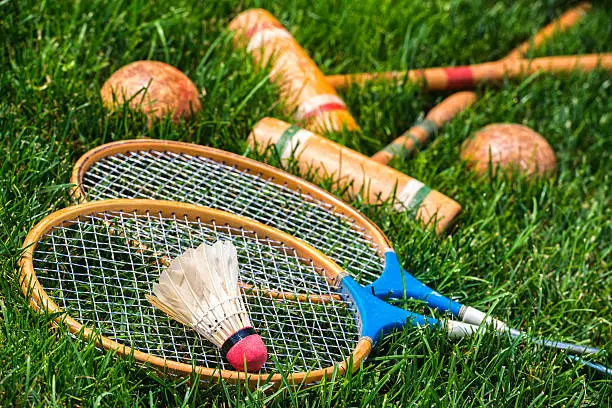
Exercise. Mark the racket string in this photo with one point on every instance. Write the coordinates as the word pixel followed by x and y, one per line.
pixel 104 278
pixel 320 227
pixel 171 176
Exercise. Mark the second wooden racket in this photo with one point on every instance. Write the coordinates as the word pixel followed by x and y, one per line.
pixel 185 172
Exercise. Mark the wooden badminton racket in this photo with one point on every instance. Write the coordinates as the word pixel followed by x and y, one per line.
pixel 168 170
pixel 95 264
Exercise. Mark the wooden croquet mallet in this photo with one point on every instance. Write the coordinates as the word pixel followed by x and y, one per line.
pixel 355 170
pixel 422 132
pixel 307 96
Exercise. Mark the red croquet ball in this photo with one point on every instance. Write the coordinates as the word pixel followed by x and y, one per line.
pixel 153 87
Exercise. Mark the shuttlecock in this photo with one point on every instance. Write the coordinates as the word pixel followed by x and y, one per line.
pixel 200 289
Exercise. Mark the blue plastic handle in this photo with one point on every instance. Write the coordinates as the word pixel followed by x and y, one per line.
pixel 376 316
pixel 397 283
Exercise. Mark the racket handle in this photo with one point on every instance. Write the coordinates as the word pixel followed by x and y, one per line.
pixel 474 316
pixel 421 133
pixel 303 89
pixel 595 366
pixel 397 283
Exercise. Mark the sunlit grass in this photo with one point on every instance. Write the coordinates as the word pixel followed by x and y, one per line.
pixel 535 253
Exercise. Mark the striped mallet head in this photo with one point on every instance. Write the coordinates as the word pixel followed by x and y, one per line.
pixel 306 94
pixel 347 167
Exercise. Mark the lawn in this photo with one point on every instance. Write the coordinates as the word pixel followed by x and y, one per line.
pixel 534 252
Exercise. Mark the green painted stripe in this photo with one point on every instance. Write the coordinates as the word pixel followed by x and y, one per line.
pixel 401 151
pixel 285 137
pixel 419 197
pixel 429 126
pixel 395 149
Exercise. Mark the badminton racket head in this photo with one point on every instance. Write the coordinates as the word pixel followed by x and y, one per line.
pixel 95 263
pixel 185 172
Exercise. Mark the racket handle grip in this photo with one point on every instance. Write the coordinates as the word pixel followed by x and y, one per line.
pixel 474 316
pixel 459 330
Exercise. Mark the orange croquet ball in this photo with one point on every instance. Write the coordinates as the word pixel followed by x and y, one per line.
pixel 509 146
pixel 153 87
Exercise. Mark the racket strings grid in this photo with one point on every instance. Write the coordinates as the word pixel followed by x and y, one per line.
pixel 359 266
pixel 101 279
pixel 178 176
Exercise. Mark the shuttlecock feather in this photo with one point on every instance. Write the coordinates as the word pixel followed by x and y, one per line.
pixel 200 289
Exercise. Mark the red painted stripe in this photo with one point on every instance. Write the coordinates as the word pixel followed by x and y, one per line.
pixel 459 77
pixel 266 25
pixel 327 107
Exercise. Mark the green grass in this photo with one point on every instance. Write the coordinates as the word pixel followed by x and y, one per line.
pixel 536 253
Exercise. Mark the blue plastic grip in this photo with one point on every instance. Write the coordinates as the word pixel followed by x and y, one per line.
pixel 378 317
pixel 394 280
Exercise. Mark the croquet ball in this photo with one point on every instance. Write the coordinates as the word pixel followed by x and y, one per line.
pixel 509 146
pixel 153 87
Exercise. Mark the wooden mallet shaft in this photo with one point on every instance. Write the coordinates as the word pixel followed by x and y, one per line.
pixel 422 132
pixel 468 76
pixel 564 22
pixel 306 94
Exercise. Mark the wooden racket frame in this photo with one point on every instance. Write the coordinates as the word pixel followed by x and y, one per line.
pixel 241 163
pixel 39 299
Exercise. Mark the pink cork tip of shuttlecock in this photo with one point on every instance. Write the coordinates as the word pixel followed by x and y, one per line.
pixel 250 351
